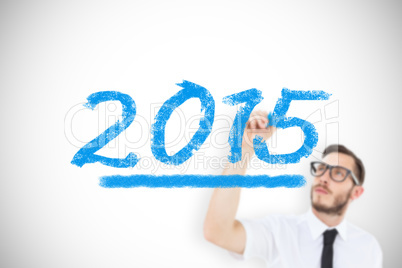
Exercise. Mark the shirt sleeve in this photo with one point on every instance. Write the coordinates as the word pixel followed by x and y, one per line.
pixel 260 240
pixel 378 255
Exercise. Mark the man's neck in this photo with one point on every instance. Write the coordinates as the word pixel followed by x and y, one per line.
pixel 329 219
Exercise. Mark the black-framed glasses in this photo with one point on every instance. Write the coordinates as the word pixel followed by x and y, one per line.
pixel 336 173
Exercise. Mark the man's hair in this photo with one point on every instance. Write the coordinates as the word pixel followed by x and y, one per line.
pixel 359 167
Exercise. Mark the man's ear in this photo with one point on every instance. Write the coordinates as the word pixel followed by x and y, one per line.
pixel 357 192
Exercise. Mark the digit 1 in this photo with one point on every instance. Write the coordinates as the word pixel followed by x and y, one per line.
pixel 251 97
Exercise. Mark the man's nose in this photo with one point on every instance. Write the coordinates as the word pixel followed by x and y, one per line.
pixel 324 178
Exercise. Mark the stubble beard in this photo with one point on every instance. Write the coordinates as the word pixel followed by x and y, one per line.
pixel 338 206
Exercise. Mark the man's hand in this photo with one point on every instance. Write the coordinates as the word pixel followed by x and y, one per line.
pixel 256 125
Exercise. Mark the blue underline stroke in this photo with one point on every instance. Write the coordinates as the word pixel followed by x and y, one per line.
pixel 201 181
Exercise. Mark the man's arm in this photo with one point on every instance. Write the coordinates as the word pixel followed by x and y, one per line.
pixel 221 226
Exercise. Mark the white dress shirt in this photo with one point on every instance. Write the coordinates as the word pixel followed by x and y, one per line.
pixel 297 241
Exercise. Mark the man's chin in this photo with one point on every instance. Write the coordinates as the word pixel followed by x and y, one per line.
pixel 330 210
pixel 321 200
pixel 321 208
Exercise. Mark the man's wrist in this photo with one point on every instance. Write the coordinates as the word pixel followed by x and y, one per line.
pixel 247 150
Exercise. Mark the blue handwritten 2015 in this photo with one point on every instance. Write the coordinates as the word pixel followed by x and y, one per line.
pixel 190 90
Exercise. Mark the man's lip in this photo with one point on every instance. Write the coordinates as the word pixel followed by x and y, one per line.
pixel 320 190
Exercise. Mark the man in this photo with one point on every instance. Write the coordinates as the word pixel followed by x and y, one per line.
pixel 320 238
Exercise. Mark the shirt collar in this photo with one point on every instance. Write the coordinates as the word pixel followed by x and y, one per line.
pixel 317 227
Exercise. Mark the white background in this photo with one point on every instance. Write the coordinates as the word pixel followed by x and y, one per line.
pixel 54 55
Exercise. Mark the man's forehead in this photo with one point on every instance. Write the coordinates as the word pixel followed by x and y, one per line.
pixel 339 159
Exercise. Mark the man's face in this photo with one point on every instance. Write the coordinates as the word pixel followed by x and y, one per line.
pixel 329 196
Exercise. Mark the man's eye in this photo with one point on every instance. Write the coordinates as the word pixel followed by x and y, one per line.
pixel 340 172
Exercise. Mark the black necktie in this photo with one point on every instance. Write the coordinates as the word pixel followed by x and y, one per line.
pixel 328 250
